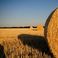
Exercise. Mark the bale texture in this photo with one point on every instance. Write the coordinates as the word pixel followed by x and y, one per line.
pixel 51 32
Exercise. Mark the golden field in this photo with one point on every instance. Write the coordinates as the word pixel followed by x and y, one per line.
pixel 14 47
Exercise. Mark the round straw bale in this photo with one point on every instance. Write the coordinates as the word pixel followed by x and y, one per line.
pixel 51 32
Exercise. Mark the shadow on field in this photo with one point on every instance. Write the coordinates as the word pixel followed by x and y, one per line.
pixel 2 54
pixel 38 42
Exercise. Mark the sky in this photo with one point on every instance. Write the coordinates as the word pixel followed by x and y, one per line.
pixel 25 12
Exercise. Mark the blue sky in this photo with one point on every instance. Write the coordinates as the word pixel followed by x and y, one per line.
pixel 25 12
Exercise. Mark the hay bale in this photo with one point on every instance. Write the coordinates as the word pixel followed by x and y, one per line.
pixel 51 32
pixel 40 29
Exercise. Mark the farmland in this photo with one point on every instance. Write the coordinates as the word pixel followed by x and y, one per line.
pixel 23 43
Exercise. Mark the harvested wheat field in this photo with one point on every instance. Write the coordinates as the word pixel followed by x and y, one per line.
pixel 23 43
pixel 51 32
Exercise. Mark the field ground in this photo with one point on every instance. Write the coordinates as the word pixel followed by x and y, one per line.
pixel 17 41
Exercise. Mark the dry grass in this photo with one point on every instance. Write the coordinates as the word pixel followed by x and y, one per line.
pixel 14 48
